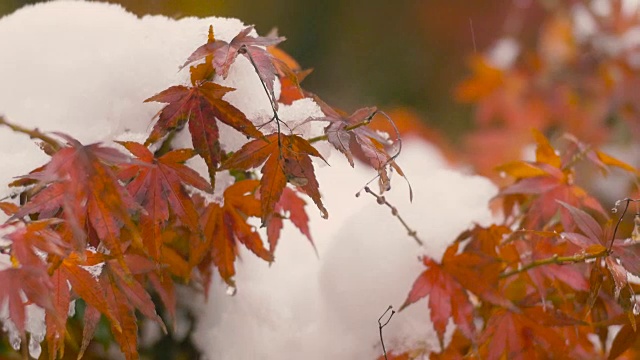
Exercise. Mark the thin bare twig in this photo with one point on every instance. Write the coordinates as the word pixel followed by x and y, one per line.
pixel 32 133
pixel 615 209
pixel 380 199
pixel 272 101
pixel 381 325
pixel 557 260
pixel 364 122
pixel 577 258
pixel 473 36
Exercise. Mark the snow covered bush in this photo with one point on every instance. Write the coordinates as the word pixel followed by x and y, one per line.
pixel 171 152
pixel 128 197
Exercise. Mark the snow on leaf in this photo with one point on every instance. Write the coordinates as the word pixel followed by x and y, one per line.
pixel 124 294
pixel 31 281
pixel 26 238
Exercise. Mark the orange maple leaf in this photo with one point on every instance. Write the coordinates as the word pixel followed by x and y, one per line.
pixel 286 158
pixel 227 224
pixel 159 184
pixel 200 105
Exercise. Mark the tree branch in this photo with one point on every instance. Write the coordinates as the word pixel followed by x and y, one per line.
pixel 394 211
pixel 364 122
pixel 555 259
pixel 32 133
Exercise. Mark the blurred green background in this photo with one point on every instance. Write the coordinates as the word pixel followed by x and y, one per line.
pixel 404 53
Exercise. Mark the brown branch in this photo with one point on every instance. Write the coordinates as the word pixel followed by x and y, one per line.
pixel 364 122
pixel 381 325
pixel 555 259
pixel 32 133
pixel 394 211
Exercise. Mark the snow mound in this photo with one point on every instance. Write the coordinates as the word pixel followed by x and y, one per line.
pixel 84 68
pixel 305 307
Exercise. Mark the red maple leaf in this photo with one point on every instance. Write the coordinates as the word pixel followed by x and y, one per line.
pixel 124 294
pixel 447 297
pixel 527 334
pixel 253 48
pixel 159 184
pixel 31 282
pixel 595 241
pixel 447 284
pixel 286 158
pixel 292 207
pixel 200 105
pixel 350 135
pixel 549 179
pixel 72 277
pixel 32 236
pixel 78 179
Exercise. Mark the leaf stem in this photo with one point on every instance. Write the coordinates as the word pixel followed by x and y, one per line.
pixel 394 211
pixel 364 122
pixel 244 50
pixel 32 133
pixel 626 207
pixel 555 259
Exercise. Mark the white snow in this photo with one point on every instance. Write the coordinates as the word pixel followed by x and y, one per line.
pixel 303 307
pixel 504 53
pixel 85 68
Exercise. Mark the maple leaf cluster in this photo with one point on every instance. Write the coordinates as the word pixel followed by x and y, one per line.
pixel 549 279
pixel 114 225
pixel 576 73
pixel 557 276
